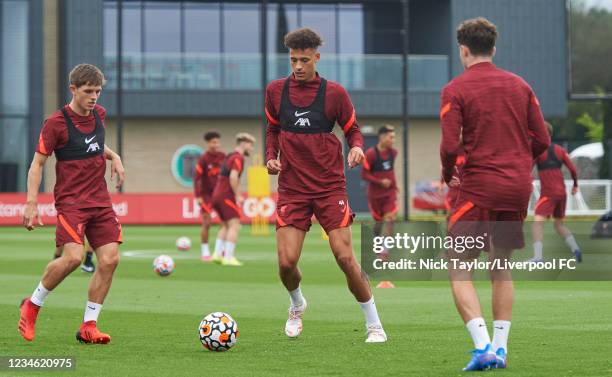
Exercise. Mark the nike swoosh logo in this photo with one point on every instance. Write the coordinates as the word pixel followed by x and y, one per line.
pixel 91 308
pixel 300 114
pixel 501 328
pixel 481 325
pixel 87 141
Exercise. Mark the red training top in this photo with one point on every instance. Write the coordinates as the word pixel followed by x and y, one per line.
pixel 551 180
pixel 376 167
pixel 206 173
pixel 80 183
pixel 312 163
pixel 496 116
pixel 223 188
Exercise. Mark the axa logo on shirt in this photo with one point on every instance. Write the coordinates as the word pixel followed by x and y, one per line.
pixel 302 122
pixel 92 147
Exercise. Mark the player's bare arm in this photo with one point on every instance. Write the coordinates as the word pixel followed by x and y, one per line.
pixel 235 182
pixel 34 178
pixel 116 165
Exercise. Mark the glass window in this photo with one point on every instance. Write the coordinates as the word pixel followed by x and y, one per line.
pixel 110 28
pixel 351 38
pixel 322 19
pixel 241 28
pixel 14 94
pixel 202 28
pixel 162 27
pixel 14 57
pixel 132 27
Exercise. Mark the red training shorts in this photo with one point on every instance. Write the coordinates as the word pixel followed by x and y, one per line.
pixel 226 208
pixel 548 206
pixel 99 225
pixel 332 211
pixel 504 229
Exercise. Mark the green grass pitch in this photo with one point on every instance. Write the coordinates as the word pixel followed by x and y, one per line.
pixel 559 328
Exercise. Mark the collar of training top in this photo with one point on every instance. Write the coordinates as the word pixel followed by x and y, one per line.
pixel 316 81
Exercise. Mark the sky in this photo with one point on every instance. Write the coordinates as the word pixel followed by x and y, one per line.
pixel 607 4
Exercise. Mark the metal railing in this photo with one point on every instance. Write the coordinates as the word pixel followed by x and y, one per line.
pixel 243 71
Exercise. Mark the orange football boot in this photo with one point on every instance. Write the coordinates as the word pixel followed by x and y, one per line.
pixel 89 333
pixel 27 319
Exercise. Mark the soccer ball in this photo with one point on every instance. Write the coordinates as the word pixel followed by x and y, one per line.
pixel 183 243
pixel 163 265
pixel 218 332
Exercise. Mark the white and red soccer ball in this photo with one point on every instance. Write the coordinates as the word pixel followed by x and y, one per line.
pixel 218 332
pixel 163 265
pixel 183 244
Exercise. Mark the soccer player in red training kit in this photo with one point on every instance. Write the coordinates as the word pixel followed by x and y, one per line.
pixel 553 197
pixel 76 134
pixel 382 186
pixel 226 198
pixel 301 111
pixel 206 172
pixel 496 116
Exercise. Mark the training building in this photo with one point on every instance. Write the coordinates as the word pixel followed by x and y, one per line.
pixel 192 66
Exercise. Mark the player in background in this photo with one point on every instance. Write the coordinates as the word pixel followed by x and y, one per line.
pixel 496 116
pixel 302 111
pixel 88 264
pixel 553 198
pixel 382 186
pixel 75 133
pixel 206 173
pixel 226 197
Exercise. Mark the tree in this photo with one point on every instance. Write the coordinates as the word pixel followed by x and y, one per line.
pixel 591 52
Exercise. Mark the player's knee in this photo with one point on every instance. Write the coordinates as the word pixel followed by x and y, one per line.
pixel 286 265
pixel 109 262
pixel 72 261
pixel 346 262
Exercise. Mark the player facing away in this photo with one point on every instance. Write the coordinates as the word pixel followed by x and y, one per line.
pixel 382 186
pixel 301 111
pixel 496 116
pixel 75 133
pixel 226 198
pixel 206 173
pixel 553 198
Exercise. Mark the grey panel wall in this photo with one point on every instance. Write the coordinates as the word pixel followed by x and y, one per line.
pixel 531 43
pixel 81 37
pixel 430 24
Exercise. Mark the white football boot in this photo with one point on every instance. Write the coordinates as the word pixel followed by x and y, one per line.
pixel 375 334
pixel 293 327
